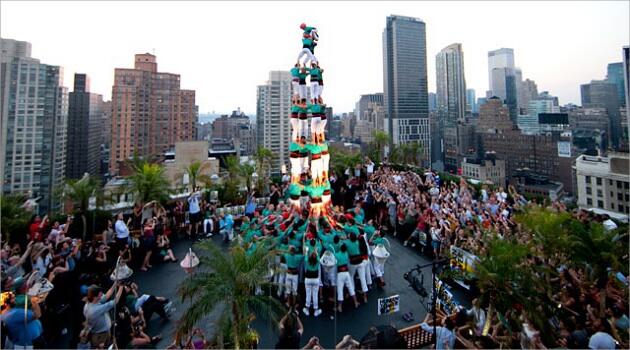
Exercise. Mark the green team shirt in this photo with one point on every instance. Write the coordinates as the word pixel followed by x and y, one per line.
pixel 328 241
pixel 302 75
pixel 294 190
pixel 317 191
pixel 353 247
pixel 293 260
pixel 378 240
pixel 369 231
pixel 307 41
pixel 295 147
pixel 309 248
pixel 314 108
pixel 324 146
pixel 295 109
pixel 313 148
pixel 342 259
pixel 351 229
pixel 309 267
pixel 316 73
pixel 308 30
pixel 295 72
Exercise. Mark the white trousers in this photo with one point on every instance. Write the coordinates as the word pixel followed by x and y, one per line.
pixel 302 90
pixel 316 168
pixel 280 277
pixel 207 222
pixel 296 87
pixel 304 164
pixel 325 162
pixel 309 56
pixel 296 166
pixel 315 121
pixel 312 289
pixel 303 127
pixel 322 126
pixel 361 270
pixel 368 274
pixel 330 274
pixel 344 280
pixel 295 129
pixel 292 284
pixel 314 90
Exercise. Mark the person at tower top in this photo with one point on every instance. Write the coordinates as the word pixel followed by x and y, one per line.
pixel 307 49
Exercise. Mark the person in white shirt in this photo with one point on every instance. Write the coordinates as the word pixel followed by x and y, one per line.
pixel 369 168
pixel 122 232
pixel 194 214
pixel 445 334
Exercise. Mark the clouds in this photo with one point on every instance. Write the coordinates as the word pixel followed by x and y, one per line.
pixel 223 50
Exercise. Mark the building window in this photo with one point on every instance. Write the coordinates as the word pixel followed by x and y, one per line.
pixel 589 201
pixel 610 182
pixel 588 179
pixel 619 184
pixel 589 191
pixel 600 204
pixel 619 196
pixel 599 193
pixel 598 180
pixel 621 208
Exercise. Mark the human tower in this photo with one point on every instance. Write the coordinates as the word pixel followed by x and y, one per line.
pixel 309 150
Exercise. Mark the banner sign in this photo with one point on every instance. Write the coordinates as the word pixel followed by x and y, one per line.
pixel 445 300
pixel 389 305
pixel 463 261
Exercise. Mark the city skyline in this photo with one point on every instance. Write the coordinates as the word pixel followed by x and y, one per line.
pixel 559 60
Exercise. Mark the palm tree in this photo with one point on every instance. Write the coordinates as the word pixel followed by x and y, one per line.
pixel 501 277
pixel 79 191
pixel 380 140
pixel 149 183
pixel 232 165
pixel 194 170
pixel 414 153
pixel 14 216
pixel 229 280
pixel 597 250
pixel 246 171
pixel 263 157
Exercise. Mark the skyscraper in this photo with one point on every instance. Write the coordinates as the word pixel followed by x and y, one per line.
pixel 626 76
pixel 34 108
pixel 504 87
pixel 451 100
pixel 85 117
pixel 471 101
pixel 273 110
pixel 451 83
pixel 601 93
pixel 432 102
pixel 150 113
pixel 501 58
pixel 614 75
pixel 405 81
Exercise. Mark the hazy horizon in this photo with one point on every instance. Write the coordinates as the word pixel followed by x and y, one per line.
pixel 224 50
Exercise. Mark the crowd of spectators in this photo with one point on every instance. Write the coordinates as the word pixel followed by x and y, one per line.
pixel 421 210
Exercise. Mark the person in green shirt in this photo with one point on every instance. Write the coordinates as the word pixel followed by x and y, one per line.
pixel 315 71
pixel 311 283
pixel 379 267
pixel 307 47
pixel 293 261
pixel 303 121
pixel 343 277
pixel 356 261
pixel 296 162
pixel 295 82
pixel 310 32
pixel 316 163
pixel 316 119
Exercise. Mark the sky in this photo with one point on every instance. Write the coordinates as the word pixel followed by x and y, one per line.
pixel 223 50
